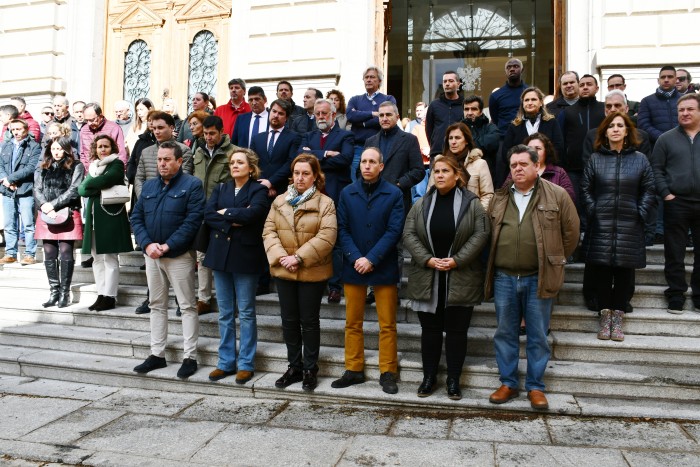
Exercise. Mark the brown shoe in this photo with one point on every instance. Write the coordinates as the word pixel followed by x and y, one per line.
pixel 503 395
pixel 537 399
pixel 203 308
pixel 8 259
pixel 243 376
pixel 218 374
pixel 27 260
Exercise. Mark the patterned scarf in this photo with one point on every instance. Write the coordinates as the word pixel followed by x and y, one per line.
pixel 295 199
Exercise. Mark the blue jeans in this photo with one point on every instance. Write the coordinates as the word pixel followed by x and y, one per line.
pixel 356 162
pixel 14 208
pixel 240 288
pixel 516 297
pixel 419 189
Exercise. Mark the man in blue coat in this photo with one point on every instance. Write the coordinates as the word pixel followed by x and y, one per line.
pixel 246 127
pixel 370 222
pixel 333 147
pixel 166 218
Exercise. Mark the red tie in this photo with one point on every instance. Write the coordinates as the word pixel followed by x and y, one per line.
pixel 323 140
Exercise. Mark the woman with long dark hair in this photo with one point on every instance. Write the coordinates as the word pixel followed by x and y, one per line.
pixel 56 182
pixel 143 107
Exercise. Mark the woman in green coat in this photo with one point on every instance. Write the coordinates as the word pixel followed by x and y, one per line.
pixel 107 231
pixel 445 232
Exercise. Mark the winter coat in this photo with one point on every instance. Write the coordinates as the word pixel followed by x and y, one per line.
pixel 169 213
pixel 148 165
pixel 235 238
pixel 212 170
pixel 676 162
pixel 309 232
pixel 58 186
pixel 617 193
pixel 145 140
pixel 465 283
pixel 370 227
pixel 88 135
pixel 577 120
pixel 556 225
pixel 516 134
pixel 22 174
pixel 480 182
pixel 442 113
pixel 658 113
pixel 109 222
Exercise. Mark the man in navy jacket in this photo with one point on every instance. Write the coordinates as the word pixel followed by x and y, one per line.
pixel 165 221
pixel 245 128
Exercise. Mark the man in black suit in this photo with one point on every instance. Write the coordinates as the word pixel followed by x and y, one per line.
pixel 277 149
pixel 334 148
pixel 245 126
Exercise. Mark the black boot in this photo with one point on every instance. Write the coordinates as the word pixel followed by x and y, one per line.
pixel 66 278
pixel 54 282
pixel 98 302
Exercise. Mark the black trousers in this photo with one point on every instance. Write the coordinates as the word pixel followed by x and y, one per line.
pixel 454 322
pixel 679 216
pixel 613 286
pixel 300 306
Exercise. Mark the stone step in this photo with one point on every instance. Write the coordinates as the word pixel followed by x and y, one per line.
pixel 565 381
pixel 134 340
pixel 645 296
pixel 653 274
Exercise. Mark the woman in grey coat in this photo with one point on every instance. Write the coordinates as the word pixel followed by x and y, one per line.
pixel 445 232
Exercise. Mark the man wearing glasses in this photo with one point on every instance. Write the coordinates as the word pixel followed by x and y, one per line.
pixel 683 85
pixel 617 81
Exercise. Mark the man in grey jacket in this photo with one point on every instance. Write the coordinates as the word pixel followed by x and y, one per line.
pixel 676 162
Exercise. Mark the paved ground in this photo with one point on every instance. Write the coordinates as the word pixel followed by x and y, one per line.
pixel 45 421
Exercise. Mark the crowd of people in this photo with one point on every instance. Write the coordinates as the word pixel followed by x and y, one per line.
pixel 327 198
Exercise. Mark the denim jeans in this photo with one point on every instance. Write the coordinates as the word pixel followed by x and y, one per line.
pixel 356 162
pixel 239 289
pixel 516 297
pixel 13 208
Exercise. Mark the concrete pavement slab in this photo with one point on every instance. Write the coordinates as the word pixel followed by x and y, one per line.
pixel 43 452
pixel 20 415
pixel 379 450
pixel 619 433
pixel 422 427
pixel 693 429
pixel 53 388
pixel 145 401
pixel 265 446
pixel 241 410
pixel 527 430
pixel 114 459
pixel 600 406
pixel 660 459
pixel 556 456
pixel 151 436
pixel 72 427
pixel 343 418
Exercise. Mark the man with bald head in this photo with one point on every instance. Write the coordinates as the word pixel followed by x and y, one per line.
pixel 505 101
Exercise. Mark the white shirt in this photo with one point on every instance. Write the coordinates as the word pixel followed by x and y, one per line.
pixel 521 200
pixel 262 126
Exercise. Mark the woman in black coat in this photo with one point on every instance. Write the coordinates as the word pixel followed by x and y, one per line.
pixel 618 193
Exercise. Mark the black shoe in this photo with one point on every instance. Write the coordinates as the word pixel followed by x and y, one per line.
pixel 178 312
pixel 387 381
pixel 150 364
pixel 108 303
pixel 370 297
pixel 453 391
pixel 291 376
pixel 522 331
pixel 87 263
pixel 629 308
pixel 262 290
pixel 143 308
pixel 309 382
pixel 188 368
pixel 659 239
pixel 142 267
pixel 97 303
pixel 348 379
pixel 334 296
pixel 426 387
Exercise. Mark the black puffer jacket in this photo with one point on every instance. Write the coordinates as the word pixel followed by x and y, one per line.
pixel 617 192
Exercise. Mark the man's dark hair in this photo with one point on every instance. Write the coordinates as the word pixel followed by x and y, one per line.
pixel 319 94
pixel 667 67
pixel 474 98
pixel 21 99
pixel 452 72
pixel 595 80
pixel 690 78
pixel 237 81
pixel 177 150
pixel 520 148
pixel 96 107
pixel 256 91
pixel 10 109
pixel 284 105
pixel 166 117
pixel 285 82
pixel 616 75
pixel 213 121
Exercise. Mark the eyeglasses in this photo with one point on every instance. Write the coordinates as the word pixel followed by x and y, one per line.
pixel 682 79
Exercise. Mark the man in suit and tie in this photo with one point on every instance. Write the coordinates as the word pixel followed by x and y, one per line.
pixel 254 122
pixel 277 149
pixel 334 148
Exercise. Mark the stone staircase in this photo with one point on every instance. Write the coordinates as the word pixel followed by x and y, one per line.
pixel 658 360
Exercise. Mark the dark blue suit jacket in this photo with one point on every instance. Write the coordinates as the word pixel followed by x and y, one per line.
pixel 237 249
pixel 336 168
pixel 276 167
pixel 241 130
